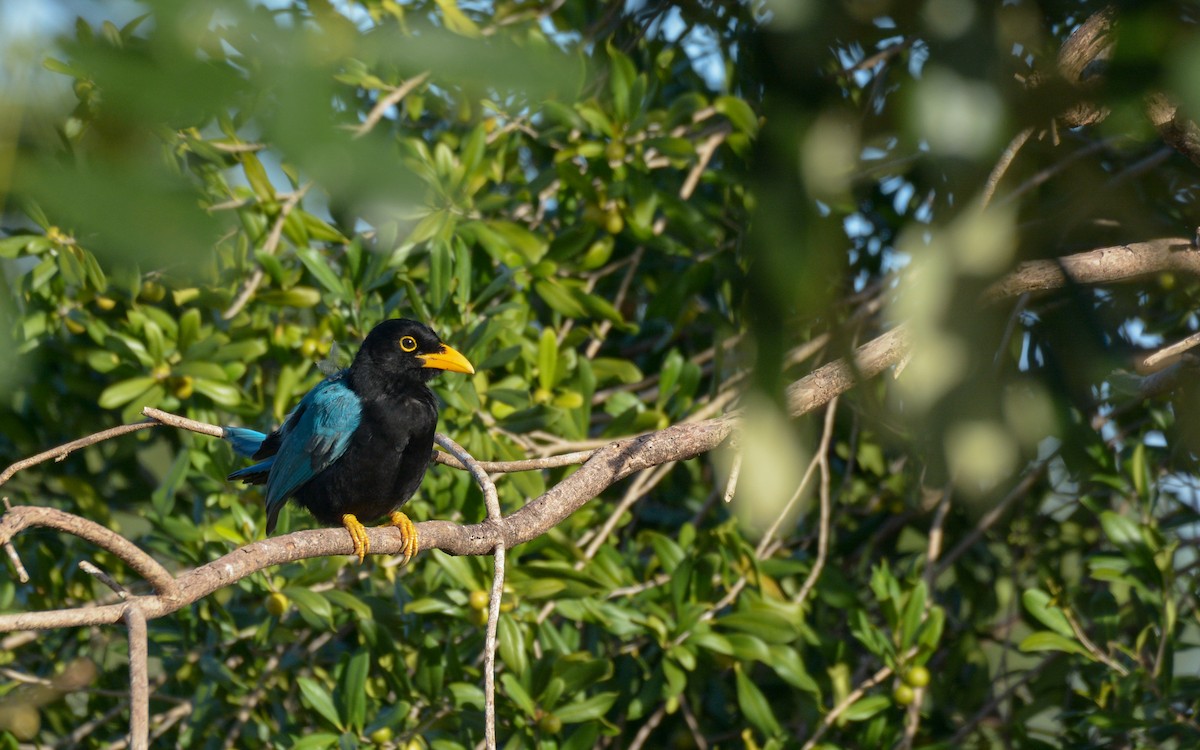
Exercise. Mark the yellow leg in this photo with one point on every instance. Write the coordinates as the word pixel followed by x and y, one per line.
pixel 408 534
pixel 358 535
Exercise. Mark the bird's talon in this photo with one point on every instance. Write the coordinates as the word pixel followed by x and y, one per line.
pixel 408 535
pixel 358 535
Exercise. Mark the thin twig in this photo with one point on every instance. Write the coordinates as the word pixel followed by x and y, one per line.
pixel 934 548
pixel 104 578
pixel 139 679
pixel 66 449
pixel 606 325
pixel 532 464
pixel 492 502
pixel 490 643
pixel 693 726
pixel 1006 160
pixel 647 728
pixel 11 551
pixel 645 482
pixel 393 98
pixel 1168 355
pixel 1091 647
pixel 1021 490
pixel 823 529
pixel 734 472
pixel 912 719
pixel 851 698
pixel 269 248
pixel 965 730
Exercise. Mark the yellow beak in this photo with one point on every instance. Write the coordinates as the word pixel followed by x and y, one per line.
pixel 447 359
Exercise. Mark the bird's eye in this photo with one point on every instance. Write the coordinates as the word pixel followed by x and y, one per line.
pixel 408 344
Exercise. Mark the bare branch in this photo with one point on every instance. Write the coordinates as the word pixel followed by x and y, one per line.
pixel 11 551
pixel 104 578
pixel 1006 160
pixel 1104 265
pixel 139 679
pixel 850 699
pixel 22 517
pixel 492 502
pixel 490 644
pixel 269 247
pixel 1167 356
pixel 394 97
pixel 66 449
pixel 823 529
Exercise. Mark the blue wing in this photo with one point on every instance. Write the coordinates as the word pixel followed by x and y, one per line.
pixel 313 437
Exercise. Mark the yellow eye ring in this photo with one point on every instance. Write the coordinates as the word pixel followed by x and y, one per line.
pixel 408 344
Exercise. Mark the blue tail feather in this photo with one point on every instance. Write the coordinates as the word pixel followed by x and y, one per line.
pixel 245 441
pixel 254 474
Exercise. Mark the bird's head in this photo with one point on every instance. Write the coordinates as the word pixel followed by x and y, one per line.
pixel 402 348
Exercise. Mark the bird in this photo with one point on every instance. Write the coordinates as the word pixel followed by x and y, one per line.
pixel 358 444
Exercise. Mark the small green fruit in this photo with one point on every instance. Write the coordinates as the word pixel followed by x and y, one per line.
pixel 917 677
pixel 382 736
pixel 277 604
pixel 550 724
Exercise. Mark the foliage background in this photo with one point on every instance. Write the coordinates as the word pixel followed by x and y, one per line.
pixel 565 190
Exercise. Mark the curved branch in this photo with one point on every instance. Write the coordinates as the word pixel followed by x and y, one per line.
pixel 1101 266
pixel 17 519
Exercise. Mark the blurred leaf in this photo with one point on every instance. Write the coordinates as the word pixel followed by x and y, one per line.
pixel 319 700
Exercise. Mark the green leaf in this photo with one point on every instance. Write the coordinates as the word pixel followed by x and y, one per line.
pixel 754 704
pixel 11 247
pixel 588 709
pixel 739 113
pixel 914 612
pixel 456 20
pixel 319 267
pixel 256 175
pixel 517 693
pixel 119 394
pixel 547 359
pixel 318 698
pixel 297 296
pixel 318 741
pixel 1037 602
pixel 512 646
pixel 866 707
pixel 620 80
pixel 163 498
pixel 318 229
pixel 353 691
pixel 559 298
pixel 1121 530
pixel 771 627
pixel 467 695
pixel 1044 640
pixel 313 607
pixel 224 394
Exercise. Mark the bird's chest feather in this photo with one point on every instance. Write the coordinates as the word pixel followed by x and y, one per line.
pixel 383 465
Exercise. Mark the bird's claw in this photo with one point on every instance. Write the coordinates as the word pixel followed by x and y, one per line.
pixel 358 535
pixel 408 535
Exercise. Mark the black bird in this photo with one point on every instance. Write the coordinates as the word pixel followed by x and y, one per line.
pixel 359 442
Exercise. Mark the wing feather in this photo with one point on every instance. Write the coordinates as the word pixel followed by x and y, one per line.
pixel 314 436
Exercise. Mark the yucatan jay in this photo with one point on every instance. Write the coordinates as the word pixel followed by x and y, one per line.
pixel 359 442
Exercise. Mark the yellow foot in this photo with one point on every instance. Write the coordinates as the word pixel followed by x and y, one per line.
pixel 358 535
pixel 408 534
